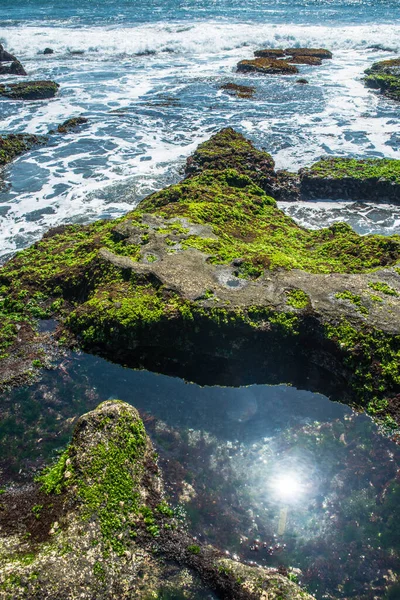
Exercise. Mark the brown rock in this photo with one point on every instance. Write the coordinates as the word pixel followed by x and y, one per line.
pixel 241 91
pixel 269 53
pixel 305 60
pixel 267 66
pixel 317 52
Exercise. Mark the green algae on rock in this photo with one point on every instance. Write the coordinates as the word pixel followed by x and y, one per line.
pixel 266 66
pixel 376 179
pixel 71 124
pixel 385 76
pixel 241 91
pixel 13 145
pixel 96 524
pixel 316 52
pixel 210 280
pixel 29 90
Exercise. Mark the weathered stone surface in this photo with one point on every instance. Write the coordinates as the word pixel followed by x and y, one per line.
pixel 30 90
pixel 96 525
pixel 385 76
pixel 241 91
pixel 266 66
pixel 6 56
pixel 209 280
pixel 15 68
pixel 317 52
pixel 71 124
pixel 298 59
pixel 270 53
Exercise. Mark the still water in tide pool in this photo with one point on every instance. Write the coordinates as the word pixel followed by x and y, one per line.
pixel 272 474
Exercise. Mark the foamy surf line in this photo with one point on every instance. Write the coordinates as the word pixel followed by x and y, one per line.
pixel 204 37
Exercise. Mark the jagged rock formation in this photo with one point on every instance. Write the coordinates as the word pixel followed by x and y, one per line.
pixel 209 280
pixel 96 525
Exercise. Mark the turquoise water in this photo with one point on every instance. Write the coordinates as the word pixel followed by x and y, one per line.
pixel 149 81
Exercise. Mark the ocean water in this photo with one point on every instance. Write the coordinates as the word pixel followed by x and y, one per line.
pixel 148 79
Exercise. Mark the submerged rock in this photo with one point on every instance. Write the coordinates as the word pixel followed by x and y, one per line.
pixel 14 69
pixel 210 280
pixel 6 56
pixel 242 91
pixel 30 90
pixel 71 124
pixel 266 66
pixel 13 145
pixel 97 525
pixel 385 76
pixel 373 179
pixel 48 51
pixel 302 80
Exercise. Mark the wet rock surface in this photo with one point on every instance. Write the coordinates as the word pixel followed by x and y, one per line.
pixel 96 524
pixel 6 56
pixel 385 76
pixel 30 90
pixel 13 145
pixel 15 68
pixel 71 124
pixel 241 91
pixel 266 66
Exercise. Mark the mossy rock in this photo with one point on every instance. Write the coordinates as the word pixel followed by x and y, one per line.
pixel 316 52
pixel 71 124
pixel 13 145
pixel 203 280
pixel 266 66
pixel 241 91
pixel 30 90
pixel 385 76
pixel 106 528
pixel 298 59
pixel 374 179
pixel 269 53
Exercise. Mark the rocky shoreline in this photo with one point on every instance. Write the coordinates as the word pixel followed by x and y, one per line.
pixel 267 292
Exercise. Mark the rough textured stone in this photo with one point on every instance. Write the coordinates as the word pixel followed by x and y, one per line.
pixel 30 90
pixel 266 66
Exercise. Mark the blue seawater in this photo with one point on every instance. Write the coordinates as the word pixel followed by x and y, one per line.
pixel 148 78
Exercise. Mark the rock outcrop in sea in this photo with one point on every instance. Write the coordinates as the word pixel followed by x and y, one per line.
pixel 29 90
pixel 209 280
pixel 96 524
pixel 385 76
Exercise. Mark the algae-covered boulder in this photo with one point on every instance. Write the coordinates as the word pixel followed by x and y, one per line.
pixel 30 90
pixel 71 124
pixel 373 179
pixel 269 53
pixel 96 525
pixel 13 145
pixel 266 66
pixel 385 76
pixel 210 280
pixel 228 149
pixel 316 52
pixel 299 59
pixel 241 91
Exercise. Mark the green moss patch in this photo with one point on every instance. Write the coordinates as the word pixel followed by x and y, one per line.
pixel 371 169
pixel 13 145
pixel 30 90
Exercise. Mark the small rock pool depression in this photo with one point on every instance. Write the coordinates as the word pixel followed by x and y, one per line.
pixel 274 475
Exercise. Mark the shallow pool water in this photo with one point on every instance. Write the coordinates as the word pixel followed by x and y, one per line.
pixel 271 474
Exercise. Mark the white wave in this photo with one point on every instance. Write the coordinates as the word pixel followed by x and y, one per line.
pixel 204 37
